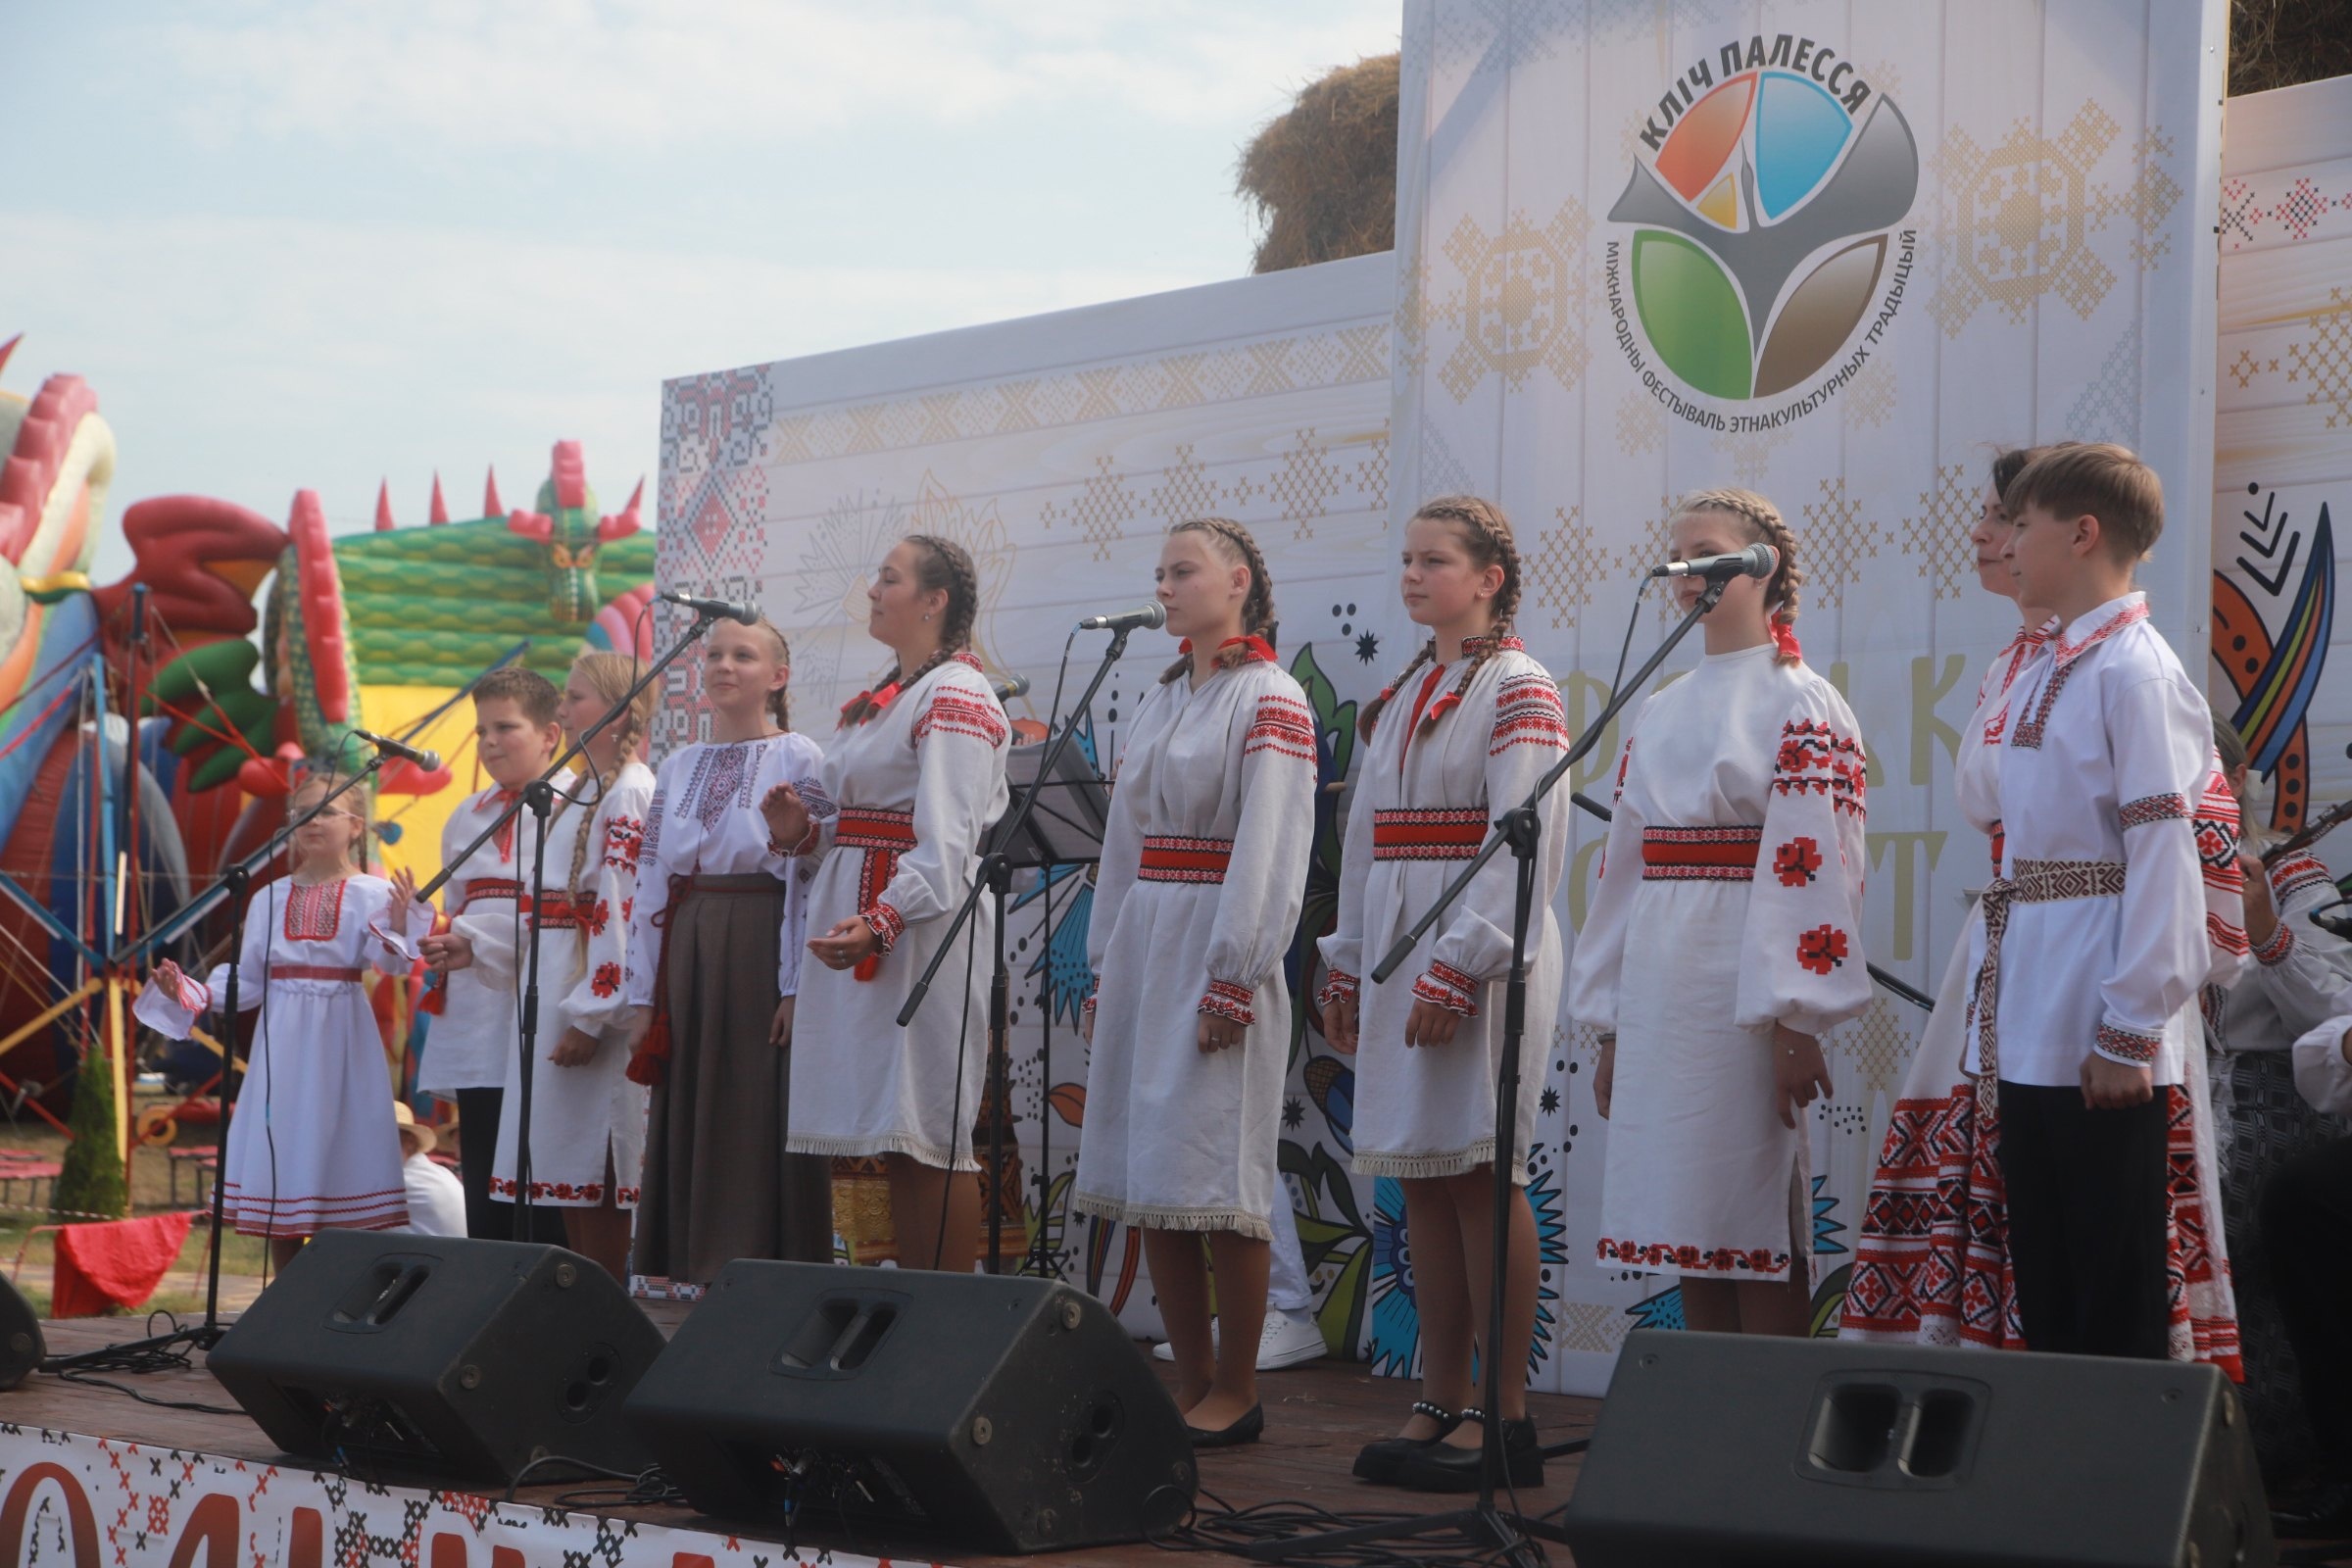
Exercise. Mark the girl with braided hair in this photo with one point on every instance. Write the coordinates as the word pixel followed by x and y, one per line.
pixel 1203 874
pixel 587 1135
pixel 1447 751
pixel 1724 940
pixel 709 973
pixel 893 827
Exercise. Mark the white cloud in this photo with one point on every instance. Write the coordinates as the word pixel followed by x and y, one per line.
pixel 648 73
pixel 246 358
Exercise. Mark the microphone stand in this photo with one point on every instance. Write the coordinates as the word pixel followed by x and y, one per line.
pixel 1518 829
pixel 994 875
pixel 235 881
pixel 538 797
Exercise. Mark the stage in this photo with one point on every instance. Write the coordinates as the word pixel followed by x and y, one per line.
pixel 96 1478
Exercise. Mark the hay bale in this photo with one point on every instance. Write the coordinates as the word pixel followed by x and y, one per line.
pixel 2278 43
pixel 1322 177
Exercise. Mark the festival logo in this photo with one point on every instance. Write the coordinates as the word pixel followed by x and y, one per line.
pixel 1764 208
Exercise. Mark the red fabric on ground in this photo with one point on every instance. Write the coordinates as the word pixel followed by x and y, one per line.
pixel 117 1263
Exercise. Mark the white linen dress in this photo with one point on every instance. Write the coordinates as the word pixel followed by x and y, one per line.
pixel 1424 800
pixel 1203 872
pixel 906 798
pixel 312 1144
pixel 1729 899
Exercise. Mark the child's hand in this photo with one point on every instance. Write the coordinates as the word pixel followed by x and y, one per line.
pixel 1340 1019
pixel 1604 1076
pixel 2262 914
pixel 1428 1024
pixel 404 899
pixel 2116 1085
pixel 848 944
pixel 787 816
pixel 1797 1071
pixel 779 1032
pixel 575 1050
pixel 637 1021
pixel 167 976
pixel 449 950
pixel 1219 1033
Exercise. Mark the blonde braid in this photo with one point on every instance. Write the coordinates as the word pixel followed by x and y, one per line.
pixel 612 675
pixel 946 565
pixel 1764 521
pixel 780 701
pixel 1236 544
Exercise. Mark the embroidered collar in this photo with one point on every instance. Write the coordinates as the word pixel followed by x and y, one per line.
pixel 2098 625
pixel 1254 648
pixel 1472 647
pixel 888 693
pixel 494 800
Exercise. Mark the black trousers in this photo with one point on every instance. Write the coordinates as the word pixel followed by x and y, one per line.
pixel 487 1218
pixel 2086 1222
pixel 2307 1238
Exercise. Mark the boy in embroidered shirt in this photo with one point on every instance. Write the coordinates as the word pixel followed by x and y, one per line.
pixel 2109 913
pixel 466 1055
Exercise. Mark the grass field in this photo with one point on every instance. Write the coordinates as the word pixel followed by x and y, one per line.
pixel 241 1264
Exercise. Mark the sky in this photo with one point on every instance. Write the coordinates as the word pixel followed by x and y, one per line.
pixel 318 245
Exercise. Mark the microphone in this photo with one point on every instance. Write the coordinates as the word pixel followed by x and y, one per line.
pixel 422 760
pixel 715 609
pixel 2331 918
pixel 1149 617
pixel 1009 687
pixel 1756 561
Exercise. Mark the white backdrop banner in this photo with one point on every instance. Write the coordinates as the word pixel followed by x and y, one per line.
pixel 1838 252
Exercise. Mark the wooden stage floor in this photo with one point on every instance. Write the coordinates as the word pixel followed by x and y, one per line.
pixel 1316 1419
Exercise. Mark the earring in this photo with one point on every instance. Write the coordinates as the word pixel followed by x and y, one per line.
pixel 926 614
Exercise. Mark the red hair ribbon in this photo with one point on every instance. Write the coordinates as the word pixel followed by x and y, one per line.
pixel 1258 647
pixel 1784 640
pixel 879 699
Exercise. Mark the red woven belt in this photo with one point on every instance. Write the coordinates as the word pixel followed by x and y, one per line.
pixel 311 972
pixel 557 911
pixel 1182 860
pixel 1700 854
pixel 493 886
pixel 1427 835
pixel 861 830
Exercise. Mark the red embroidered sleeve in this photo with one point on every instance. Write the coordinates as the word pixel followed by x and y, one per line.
pixel 1229 1001
pixel 2272 953
pixel 1815 758
pixel 953 711
pixel 1528 712
pixel 1282 725
pixel 887 924
pixel 1448 988
pixel 2127 1046
pixel 1338 986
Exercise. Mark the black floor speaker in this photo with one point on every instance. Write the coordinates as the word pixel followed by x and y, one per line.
pixel 984 1412
pixel 21 1346
pixel 1734 1451
pixel 461 1358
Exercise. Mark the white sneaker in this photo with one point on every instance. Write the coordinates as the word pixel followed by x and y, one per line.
pixel 1288 1338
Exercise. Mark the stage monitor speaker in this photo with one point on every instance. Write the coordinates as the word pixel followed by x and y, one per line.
pixel 1735 1450
pixel 469 1360
pixel 985 1412
pixel 21 1346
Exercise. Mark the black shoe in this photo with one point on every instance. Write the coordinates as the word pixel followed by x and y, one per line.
pixel 2324 1513
pixel 1379 1462
pixel 1248 1427
pixel 1442 1467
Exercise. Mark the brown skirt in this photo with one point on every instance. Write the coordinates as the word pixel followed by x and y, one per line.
pixel 718 1185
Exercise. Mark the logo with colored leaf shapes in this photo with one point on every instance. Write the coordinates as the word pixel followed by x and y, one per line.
pixel 1763 209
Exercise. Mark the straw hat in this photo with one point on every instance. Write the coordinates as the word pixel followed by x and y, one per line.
pixel 406 1120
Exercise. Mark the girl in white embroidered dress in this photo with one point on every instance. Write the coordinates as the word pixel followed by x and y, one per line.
pixel 1724 941
pixel 914 776
pixel 710 976
pixel 1203 874
pixel 312 1146
pixel 587 1140
pixel 1445 753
